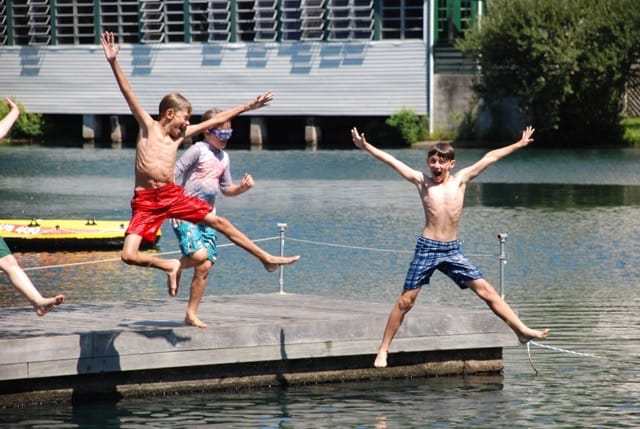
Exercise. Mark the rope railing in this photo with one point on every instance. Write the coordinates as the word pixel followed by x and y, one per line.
pixel 73 264
pixel 282 228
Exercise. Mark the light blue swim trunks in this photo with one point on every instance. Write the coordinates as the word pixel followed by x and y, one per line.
pixel 193 237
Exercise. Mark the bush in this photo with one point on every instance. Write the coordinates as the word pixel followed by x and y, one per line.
pixel 412 127
pixel 27 126
pixel 565 62
pixel 631 130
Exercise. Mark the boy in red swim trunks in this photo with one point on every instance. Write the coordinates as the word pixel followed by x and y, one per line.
pixel 156 195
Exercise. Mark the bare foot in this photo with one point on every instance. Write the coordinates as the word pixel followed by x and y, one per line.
pixel 194 321
pixel 275 261
pixel 381 360
pixel 173 277
pixel 530 334
pixel 49 304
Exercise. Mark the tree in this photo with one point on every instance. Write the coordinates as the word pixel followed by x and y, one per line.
pixel 564 62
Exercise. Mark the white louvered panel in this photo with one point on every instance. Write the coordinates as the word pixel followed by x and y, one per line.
pixel 312 20
pixel 266 20
pixel 4 36
pixel 350 19
pixel 121 18
pixel 39 22
pixel 74 22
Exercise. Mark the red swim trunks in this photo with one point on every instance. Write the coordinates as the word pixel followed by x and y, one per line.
pixel 151 207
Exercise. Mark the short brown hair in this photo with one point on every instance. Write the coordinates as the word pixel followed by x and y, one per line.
pixel 443 150
pixel 210 114
pixel 173 101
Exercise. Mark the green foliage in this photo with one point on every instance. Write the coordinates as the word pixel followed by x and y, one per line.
pixel 566 63
pixel 412 127
pixel 631 130
pixel 28 125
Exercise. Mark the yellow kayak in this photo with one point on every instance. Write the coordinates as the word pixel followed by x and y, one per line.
pixel 64 234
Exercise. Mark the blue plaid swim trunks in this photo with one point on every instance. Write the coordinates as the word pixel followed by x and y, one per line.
pixel 443 256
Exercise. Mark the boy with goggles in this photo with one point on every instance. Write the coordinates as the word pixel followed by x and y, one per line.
pixel 204 169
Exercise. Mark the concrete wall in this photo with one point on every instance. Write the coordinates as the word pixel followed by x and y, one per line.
pixel 452 98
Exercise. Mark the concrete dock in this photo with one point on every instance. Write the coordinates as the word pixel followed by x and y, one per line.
pixel 120 349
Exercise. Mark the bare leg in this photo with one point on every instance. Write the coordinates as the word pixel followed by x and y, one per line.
pixel 23 284
pixel 402 307
pixel 131 255
pixel 202 266
pixel 499 306
pixel 198 285
pixel 270 262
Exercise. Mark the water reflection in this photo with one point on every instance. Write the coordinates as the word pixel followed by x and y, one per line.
pixel 551 196
pixel 373 404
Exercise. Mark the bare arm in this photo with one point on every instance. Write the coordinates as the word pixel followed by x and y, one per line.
pixel 111 50
pixel 226 116
pixel 245 184
pixel 7 122
pixel 490 158
pixel 414 176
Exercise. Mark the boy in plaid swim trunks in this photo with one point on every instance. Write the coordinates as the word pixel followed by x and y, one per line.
pixel 444 256
pixel 442 197
pixel 156 196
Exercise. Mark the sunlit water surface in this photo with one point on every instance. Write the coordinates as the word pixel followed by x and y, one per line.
pixel 573 225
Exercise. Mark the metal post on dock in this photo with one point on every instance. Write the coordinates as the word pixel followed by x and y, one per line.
pixel 503 260
pixel 283 228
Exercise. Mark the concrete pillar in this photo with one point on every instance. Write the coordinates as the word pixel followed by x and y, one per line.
pixel 90 129
pixel 116 132
pixel 312 134
pixel 257 133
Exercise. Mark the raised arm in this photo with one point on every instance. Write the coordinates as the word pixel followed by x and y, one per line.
pixel 111 50
pixel 226 116
pixel 414 176
pixel 491 157
pixel 7 122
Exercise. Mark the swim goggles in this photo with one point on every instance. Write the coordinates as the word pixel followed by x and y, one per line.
pixel 223 133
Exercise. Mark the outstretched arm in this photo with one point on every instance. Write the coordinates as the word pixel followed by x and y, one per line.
pixel 111 50
pixel 7 122
pixel 414 176
pixel 222 117
pixel 495 155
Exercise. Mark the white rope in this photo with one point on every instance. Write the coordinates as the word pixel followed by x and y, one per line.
pixel 558 349
pixel 570 352
pixel 75 264
pixel 373 249
pixel 344 246
pixel 348 247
